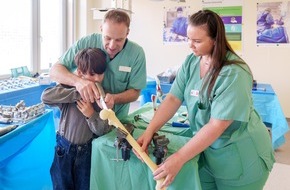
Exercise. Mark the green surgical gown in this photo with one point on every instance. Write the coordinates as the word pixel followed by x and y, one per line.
pixel 126 71
pixel 235 157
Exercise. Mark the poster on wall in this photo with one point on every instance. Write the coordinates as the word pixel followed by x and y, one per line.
pixel 232 19
pixel 222 3
pixel 273 23
pixel 175 25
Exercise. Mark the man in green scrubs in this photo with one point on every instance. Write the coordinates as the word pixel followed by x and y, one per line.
pixel 126 65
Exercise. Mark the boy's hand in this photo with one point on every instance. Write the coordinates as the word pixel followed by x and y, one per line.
pixel 85 107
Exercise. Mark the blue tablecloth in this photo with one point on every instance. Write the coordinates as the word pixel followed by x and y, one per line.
pixel 26 154
pixel 265 89
pixel 268 106
pixel 30 94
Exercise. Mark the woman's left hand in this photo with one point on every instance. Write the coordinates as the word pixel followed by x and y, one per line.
pixel 168 170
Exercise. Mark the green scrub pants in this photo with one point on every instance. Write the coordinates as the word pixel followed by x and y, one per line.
pixel 208 182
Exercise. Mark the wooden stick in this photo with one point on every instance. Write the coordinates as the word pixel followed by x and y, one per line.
pixel 113 120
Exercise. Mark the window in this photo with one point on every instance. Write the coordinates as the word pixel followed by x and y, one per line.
pixel 15 35
pixel 31 34
pixel 51 32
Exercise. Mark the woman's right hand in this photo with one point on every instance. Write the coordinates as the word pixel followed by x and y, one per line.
pixel 144 140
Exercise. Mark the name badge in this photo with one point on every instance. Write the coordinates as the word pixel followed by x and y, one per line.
pixel 125 69
pixel 194 93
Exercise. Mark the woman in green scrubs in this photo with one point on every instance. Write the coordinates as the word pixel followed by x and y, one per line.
pixel 233 144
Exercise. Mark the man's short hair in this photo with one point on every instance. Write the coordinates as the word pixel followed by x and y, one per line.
pixel 117 16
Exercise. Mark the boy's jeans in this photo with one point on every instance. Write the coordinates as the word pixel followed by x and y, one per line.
pixel 71 166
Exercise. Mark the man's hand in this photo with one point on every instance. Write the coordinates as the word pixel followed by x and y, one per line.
pixel 88 90
pixel 109 100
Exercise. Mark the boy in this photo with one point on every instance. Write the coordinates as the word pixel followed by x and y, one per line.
pixel 79 124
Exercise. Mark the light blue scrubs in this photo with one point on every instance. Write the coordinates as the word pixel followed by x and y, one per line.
pixel 243 155
pixel 126 71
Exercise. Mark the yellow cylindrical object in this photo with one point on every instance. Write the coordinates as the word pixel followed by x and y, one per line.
pixel 110 115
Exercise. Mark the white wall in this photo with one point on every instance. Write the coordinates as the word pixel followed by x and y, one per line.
pixel 268 64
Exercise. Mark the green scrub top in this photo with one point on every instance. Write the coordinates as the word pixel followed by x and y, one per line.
pixel 126 71
pixel 237 154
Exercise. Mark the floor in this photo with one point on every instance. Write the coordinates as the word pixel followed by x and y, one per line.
pixel 279 176
pixel 282 154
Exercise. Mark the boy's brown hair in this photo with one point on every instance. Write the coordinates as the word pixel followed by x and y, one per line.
pixel 91 61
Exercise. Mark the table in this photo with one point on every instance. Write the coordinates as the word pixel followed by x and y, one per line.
pixel 145 113
pixel 133 174
pixel 268 106
pixel 29 93
pixel 26 154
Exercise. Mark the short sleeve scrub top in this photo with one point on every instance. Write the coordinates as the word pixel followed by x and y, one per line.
pixel 126 71
pixel 236 156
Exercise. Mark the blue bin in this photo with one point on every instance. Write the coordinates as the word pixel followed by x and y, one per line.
pixel 148 91
pixel 165 87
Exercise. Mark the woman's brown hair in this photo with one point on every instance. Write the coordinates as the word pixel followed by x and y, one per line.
pixel 214 26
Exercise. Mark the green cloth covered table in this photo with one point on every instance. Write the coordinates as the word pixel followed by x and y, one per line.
pixel 145 113
pixel 109 174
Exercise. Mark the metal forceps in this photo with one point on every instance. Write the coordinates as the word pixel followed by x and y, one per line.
pixel 102 95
